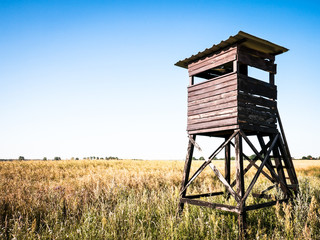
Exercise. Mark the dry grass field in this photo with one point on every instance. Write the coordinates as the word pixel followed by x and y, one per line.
pixel 130 199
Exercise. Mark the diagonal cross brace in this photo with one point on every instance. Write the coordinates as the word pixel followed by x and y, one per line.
pixel 255 178
pixel 194 143
pixel 253 163
pixel 225 182
pixel 274 175
pixel 207 162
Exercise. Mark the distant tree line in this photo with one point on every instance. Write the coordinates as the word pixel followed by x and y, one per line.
pixel 309 157
pixel 21 158
pixel 215 158
pixel 100 158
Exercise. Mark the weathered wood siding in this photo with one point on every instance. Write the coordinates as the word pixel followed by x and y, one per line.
pixel 215 60
pixel 230 101
pixel 257 59
pixel 256 104
pixel 212 105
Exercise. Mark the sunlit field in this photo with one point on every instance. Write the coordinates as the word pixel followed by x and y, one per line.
pixel 131 199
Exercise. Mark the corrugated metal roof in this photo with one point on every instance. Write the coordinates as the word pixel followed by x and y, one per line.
pixel 244 39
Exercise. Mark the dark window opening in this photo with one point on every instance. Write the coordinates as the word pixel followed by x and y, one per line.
pixel 214 72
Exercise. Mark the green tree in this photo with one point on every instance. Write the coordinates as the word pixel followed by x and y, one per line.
pixel 21 158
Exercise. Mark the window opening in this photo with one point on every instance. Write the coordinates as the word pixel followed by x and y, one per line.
pixel 214 72
pixel 258 74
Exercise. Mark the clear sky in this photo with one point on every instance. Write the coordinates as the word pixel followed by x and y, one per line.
pixel 97 78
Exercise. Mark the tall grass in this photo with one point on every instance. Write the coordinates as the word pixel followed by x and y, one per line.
pixel 136 200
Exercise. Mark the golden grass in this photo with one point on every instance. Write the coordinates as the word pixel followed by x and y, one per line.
pixel 131 199
pixel 301 165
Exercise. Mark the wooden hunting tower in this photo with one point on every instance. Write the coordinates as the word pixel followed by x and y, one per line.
pixel 230 104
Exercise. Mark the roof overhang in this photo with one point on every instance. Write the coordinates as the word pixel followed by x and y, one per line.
pixel 243 39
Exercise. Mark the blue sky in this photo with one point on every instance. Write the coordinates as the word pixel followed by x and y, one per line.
pixel 97 78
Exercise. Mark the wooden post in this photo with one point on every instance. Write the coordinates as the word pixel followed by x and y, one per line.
pixel 272 74
pixel 271 78
pixel 235 66
pixel 191 80
pixel 240 186
pixel 227 172
pixel 243 69
pixel 186 171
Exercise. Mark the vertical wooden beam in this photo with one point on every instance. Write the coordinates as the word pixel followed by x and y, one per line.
pixel 235 66
pixel 239 164
pixel 186 172
pixel 227 172
pixel 240 186
pixel 191 80
pixel 271 78
pixel 271 75
pixel 243 69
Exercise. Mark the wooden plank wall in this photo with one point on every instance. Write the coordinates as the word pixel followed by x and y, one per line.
pixel 212 105
pixel 256 103
pixel 216 60
pixel 226 102
pixel 257 59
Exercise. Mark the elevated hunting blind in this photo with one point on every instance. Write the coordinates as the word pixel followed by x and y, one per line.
pixel 227 103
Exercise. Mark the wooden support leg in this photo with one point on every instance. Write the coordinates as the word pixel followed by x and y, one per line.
pixel 240 186
pixel 227 163
pixel 242 225
pixel 186 172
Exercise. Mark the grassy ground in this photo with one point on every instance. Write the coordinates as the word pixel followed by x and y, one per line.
pixel 129 199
